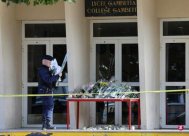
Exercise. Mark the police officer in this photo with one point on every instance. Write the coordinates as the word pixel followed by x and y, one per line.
pixel 47 82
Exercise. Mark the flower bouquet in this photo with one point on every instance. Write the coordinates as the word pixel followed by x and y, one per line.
pixel 102 89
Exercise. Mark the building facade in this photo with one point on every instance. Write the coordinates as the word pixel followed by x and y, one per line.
pixel 149 51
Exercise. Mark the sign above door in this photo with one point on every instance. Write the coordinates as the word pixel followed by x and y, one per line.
pixel 98 8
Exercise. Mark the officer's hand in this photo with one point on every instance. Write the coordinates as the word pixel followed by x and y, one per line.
pixel 60 74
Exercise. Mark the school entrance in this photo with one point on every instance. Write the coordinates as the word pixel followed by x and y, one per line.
pixel 174 106
pixel 114 57
pixel 40 38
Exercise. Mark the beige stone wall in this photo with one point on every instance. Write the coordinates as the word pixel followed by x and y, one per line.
pixel 10 54
pixel 172 8
pixel 10 47
pixel 50 12
pixel 165 9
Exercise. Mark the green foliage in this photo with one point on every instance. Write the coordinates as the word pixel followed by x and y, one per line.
pixel 35 2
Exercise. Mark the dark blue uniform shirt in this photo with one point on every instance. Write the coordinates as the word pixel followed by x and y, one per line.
pixel 47 81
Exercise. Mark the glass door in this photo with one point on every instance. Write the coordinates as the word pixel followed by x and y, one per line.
pixel 174 76
pixel 33 51
pixel 129 73
pixel 32 106
pixel 59 51
pixel 104 60
pixel 115 60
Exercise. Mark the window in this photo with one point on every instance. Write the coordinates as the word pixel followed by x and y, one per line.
pixel 45 30
pixel 175 28
pixel 120 29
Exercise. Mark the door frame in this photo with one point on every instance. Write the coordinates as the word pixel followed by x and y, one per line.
pixel 49 44
pixel 118 44
pixel 93 41
pixel 49 41
pixel 163 82
pixel 25 83
pixel 108 39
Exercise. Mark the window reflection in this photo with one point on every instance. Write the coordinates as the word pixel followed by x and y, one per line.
pixel 35 53
pixel 45 30
pixel 34 107
pixel 130 65
pixel 119 29
pixel 60 105
pixel 175 28
pixel 105 113
pixel 175 64
pixel 134 109
pixel 105 61
pixel 175 106
pixel 134 113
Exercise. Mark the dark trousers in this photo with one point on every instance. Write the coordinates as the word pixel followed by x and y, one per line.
pixel 48 107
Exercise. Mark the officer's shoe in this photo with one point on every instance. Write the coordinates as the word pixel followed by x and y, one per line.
pixel 49 126
pixel 44 128
pixel 44 125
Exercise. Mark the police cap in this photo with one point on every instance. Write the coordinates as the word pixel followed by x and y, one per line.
pixel 48 57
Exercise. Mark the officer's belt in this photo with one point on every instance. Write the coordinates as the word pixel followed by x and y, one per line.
pixel 46 90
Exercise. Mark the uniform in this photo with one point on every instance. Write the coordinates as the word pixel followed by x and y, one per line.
pixel 46 84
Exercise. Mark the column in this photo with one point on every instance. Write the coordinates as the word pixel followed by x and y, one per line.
pixel 10 60
pixel 149 62
pixel 77 38
pixel 2 107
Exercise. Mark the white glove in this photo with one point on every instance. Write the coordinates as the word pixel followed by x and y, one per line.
pixel 55 67
pixel 58 70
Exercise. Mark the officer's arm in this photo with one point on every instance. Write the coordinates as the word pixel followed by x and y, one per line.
pixel 47 78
